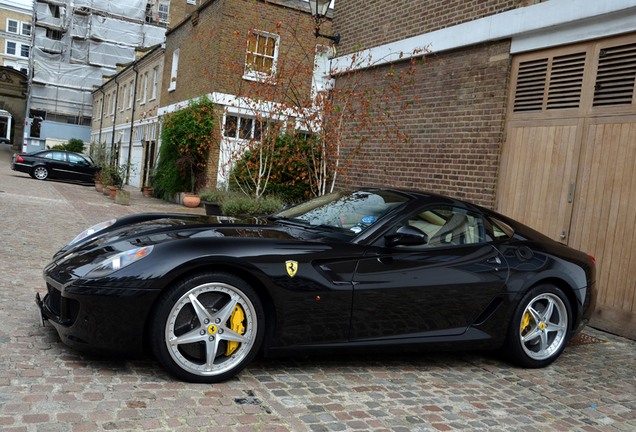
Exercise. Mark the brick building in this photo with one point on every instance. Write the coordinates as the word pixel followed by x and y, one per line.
pixel 229 51
pixel 525 106
pixel 125 118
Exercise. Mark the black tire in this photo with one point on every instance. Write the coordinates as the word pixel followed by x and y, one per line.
pixel 183 341
pixel 538 331
pixel 40 172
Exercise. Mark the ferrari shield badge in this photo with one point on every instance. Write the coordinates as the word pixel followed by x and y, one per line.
pixel 292 267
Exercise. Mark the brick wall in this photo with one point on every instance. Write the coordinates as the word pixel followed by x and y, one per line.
pixel 375 22
pixel 455 129
pixel 218 38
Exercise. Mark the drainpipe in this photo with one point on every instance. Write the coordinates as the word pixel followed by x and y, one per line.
pixel 112 142
pixel 132 121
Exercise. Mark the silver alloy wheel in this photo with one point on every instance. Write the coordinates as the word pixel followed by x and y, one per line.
pixel 544 325
pixel 40 173
pixel 208 308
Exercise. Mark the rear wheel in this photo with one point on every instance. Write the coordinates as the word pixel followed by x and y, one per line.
pixel 40 173
pixel 538 331
pixel 207 328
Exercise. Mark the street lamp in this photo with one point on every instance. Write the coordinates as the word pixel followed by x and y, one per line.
pixel 319 9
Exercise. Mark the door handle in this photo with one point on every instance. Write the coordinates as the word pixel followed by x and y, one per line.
pixel 494 260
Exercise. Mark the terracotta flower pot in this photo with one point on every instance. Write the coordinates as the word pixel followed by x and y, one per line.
pixel 112 192
pixel 98 186
pixel 191 200
pixel 147 191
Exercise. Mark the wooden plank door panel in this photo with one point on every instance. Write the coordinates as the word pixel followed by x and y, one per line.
pixel 539 162
pixel 604 218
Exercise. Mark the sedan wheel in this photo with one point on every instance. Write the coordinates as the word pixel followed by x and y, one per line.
pixel 207 328
pixel 40 173
pixel 539 328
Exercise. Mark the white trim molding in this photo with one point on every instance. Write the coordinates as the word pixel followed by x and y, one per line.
pixel 543 25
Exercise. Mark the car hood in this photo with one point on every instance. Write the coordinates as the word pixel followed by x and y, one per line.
pixel 168 229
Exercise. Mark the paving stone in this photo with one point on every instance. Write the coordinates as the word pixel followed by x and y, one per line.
pixel 47 386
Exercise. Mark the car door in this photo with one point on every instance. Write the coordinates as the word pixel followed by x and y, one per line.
pixel 432 289
pixel 80 168
pixel 57 164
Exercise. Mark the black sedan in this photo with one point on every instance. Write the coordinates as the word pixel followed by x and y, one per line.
pixel 364 269
pixel 55 164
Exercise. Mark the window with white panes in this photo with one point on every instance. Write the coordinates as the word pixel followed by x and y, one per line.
pixel 12 26
pixel 174 70
pixel 131 95
pixel 262 52
pixel 155 78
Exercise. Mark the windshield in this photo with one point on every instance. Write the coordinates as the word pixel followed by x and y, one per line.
pixel 348 211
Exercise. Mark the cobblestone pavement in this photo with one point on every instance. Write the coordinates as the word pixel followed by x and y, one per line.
pixel 46 386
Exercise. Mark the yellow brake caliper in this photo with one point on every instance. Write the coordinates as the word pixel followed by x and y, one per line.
pixel 236 324
pixel 526 321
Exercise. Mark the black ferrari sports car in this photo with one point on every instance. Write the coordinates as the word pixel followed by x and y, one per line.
pixel 55 164
pixel 369 269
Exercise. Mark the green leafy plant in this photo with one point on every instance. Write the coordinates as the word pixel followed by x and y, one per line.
pixel 217 195
pixel 75 145
pixel 187 138
pixel 287 178
pixel 247 205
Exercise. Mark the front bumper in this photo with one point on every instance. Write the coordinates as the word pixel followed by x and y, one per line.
pixel 107 319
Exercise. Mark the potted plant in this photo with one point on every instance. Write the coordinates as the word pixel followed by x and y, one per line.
pixel 120 176
pixel 107 179
pixel 212 200
pixel 98 181
pixel 245 206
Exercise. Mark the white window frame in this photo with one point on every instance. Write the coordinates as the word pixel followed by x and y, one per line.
pixel 160 13
pixel 22 47
pixel 123 101
pixel 17 26
pixel 22 28
pixel 155 78
pixel 251 74
pixel 15 48
pixel 174 70
pixel 144 89
pixel 131 96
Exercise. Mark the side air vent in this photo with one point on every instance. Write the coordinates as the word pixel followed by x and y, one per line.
pixel 566 81
pixel 615 76
pixel 531 85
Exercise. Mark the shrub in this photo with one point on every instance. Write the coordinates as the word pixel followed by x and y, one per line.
pixel 186 140
pixel 251 206
pixel 217 195
pixel 75 145
pixel 288 178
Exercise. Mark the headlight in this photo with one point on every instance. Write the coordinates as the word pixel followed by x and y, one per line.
pixel 93 230
pixel 118 261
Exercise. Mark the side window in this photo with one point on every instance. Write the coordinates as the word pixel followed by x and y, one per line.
pixel 447 226
pixel 501 230
pixel 77 159
pixel 59 156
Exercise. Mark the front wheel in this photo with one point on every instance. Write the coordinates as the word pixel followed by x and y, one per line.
pixel 538 331
pixel 207 328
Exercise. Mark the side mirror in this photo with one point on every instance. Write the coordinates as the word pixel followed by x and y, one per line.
pixel 406 236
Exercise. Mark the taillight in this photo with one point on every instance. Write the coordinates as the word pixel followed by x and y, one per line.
pixel 593 260
pixel 18 158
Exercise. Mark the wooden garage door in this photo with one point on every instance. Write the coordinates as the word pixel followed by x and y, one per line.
pixel 568 165
pixel 604 218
